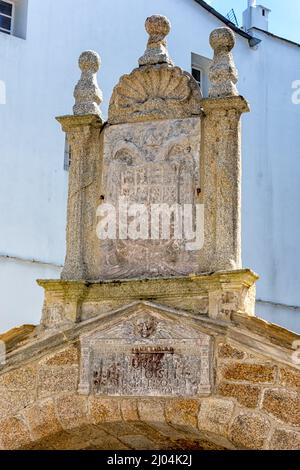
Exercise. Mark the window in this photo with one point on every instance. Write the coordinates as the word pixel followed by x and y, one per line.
pixel 200 71
pixel 197 74
pixel 13 18
pixel 6 17
pixel 67 158
pixel 264 12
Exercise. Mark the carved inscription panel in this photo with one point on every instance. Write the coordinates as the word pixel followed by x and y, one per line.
pixel 146 356
pixel 148 164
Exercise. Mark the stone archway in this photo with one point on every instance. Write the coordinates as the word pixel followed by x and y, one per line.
pixel 253 402
pixel 121 436
pixel 73 422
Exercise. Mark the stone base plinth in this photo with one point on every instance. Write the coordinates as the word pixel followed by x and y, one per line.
pixel 217 295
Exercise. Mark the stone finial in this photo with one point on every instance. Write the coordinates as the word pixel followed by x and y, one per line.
pixel 87 94
pixel 158 27
pixel 222 74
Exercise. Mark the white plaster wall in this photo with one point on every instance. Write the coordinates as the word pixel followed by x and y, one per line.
pixel 40 73
pixel 21 299
pixel 271 169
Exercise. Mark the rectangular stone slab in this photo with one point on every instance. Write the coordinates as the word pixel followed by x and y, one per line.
pixel 145 353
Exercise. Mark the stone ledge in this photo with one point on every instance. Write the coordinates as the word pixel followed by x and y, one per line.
pixel 17 336
pixel 239 103
pixel 218 294
pixel 70 122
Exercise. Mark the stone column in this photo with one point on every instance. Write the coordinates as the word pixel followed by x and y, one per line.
pixel 221 159
pixel 83 131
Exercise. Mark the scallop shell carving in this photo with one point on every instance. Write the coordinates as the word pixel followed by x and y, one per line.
pixel 154 92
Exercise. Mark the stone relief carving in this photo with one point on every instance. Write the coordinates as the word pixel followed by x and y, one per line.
pixel 145 354
pixel 150 163
pixel 154 92
pixel 146 326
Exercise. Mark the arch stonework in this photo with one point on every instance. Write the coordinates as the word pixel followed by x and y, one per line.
pixel 254 400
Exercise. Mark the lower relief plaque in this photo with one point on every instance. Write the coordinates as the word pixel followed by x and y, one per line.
pixel 145 366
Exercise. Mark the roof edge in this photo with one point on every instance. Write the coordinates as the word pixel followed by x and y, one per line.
pixel 268 33
pixel 224 19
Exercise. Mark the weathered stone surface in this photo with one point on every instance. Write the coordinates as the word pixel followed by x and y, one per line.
pixel 157 357
pixel 283 405
pixel 67 356
pixel 104 410
pixel 107 443
pixel 150 413
pixel 250 431
pixel 149 164
pixel 158 27
pixel 71 410
pixel 153 413
pixel 198 444
pixel 153 93
pixel 284 439
pixel 222 183
pixel 129 410
pixel 23 378
pixel 17 336
pixel 11 401
pixel 156 90
pixel 256 373
pixel 64 440
pixel 13 433
pixel 182 412
pixel 215 415
pixel 227 351
pixel 159 90
pixel 139 442
pixel 289 378
pixel 17 389
pixel 83 198
pixel 42 420
pixel 153 430
pixel 247 395
pixel 222 74
pixel 200 294
pixel 87 94
pixel 55 379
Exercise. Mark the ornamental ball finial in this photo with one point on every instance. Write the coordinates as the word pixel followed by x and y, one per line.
pixel 87 93
pixel 89 61
pixel 158 27
pixel 222 73
pixel 222 39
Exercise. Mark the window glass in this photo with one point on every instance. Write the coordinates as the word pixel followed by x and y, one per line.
pixel 196 74
pixel 5 22
pixel 5 8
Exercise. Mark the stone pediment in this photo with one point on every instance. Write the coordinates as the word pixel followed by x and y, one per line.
pixel 145 350
pixel 121 323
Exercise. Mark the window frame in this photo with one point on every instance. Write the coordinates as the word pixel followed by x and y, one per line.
pixel 12 17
